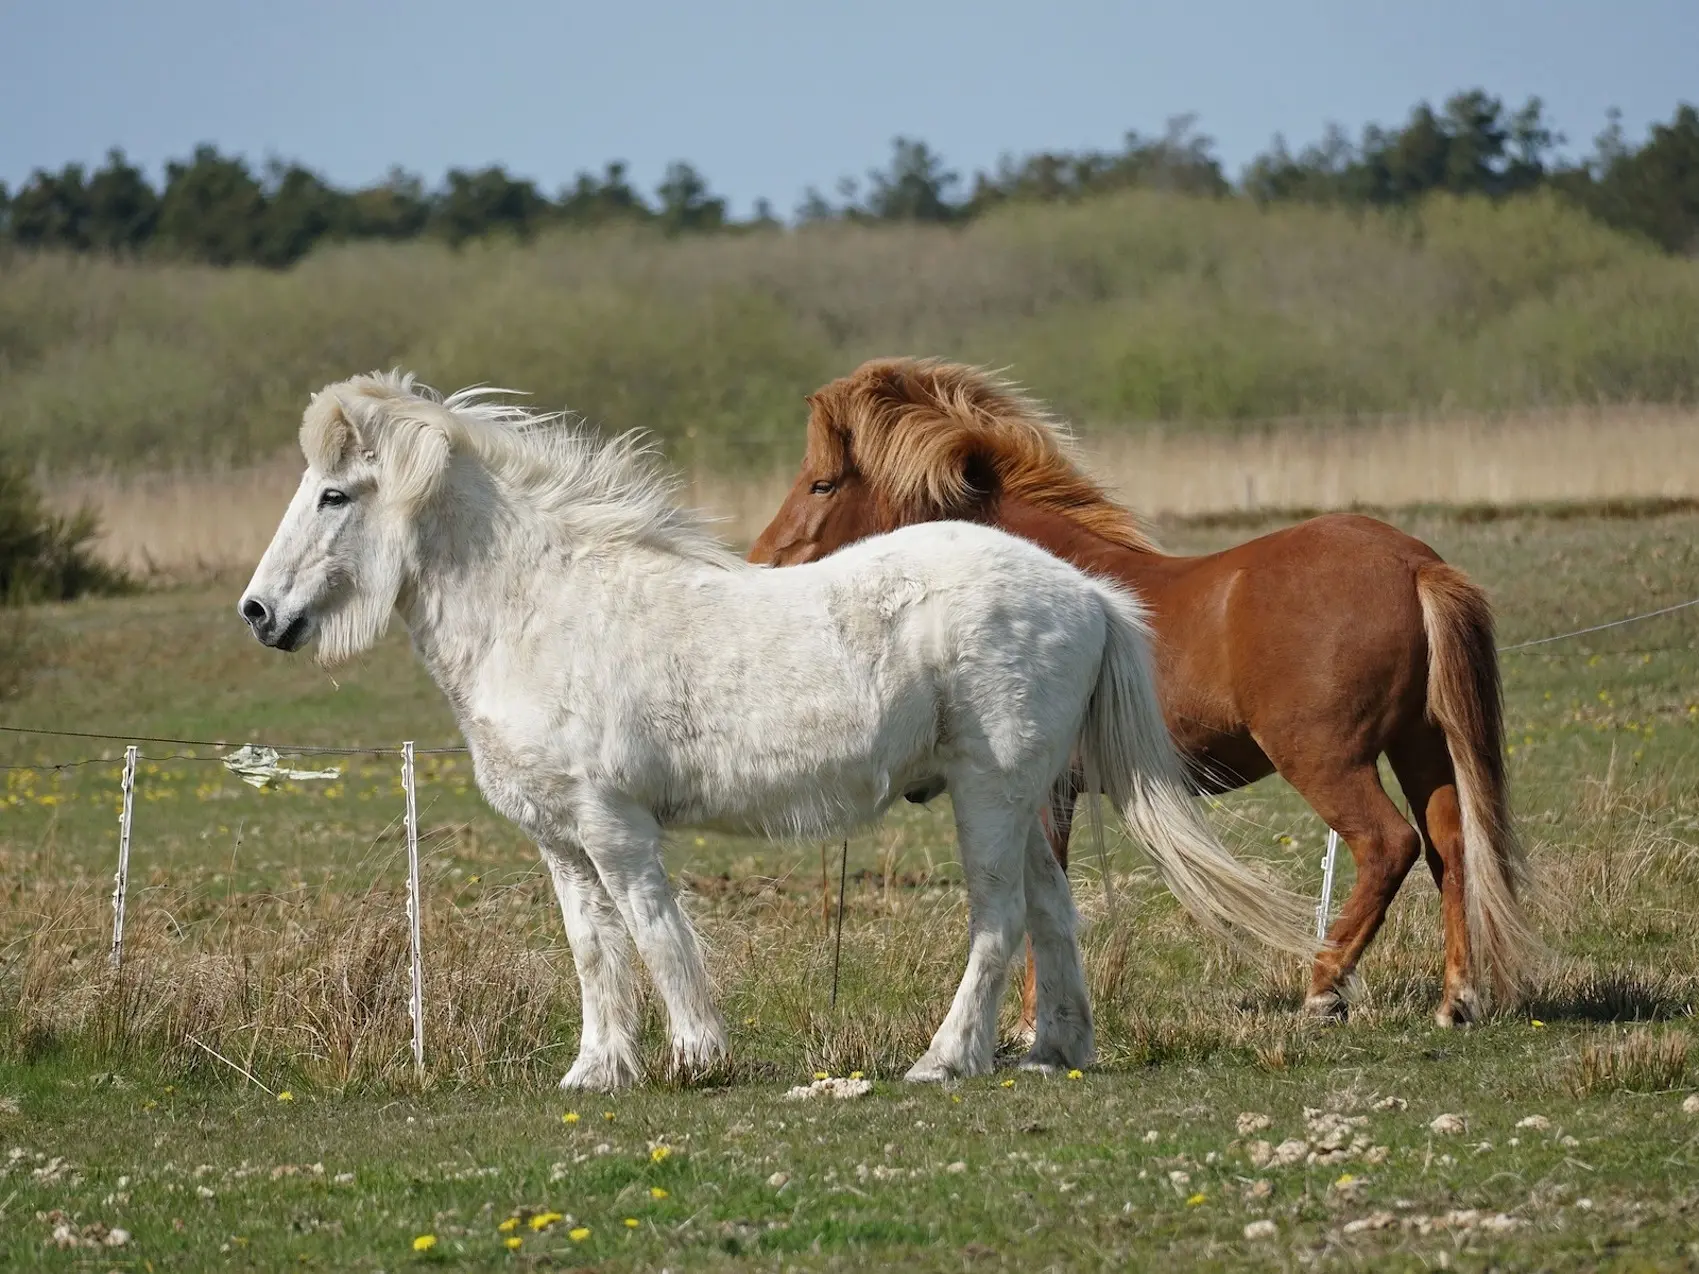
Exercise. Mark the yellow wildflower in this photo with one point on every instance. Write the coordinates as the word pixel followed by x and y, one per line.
pixel 512 1244
pixel 659 1154
pixel 855 1074
pixel 655 1192
pixel 543 1220
pixel 570 1117
pixel 424 1243
pixel 1195 1201
pixel 1076 1074
pixel 509 1226
pixel 821 1075
pixel 1537 1024
pixel 286 1095
pixel 579 1234
pixel 608 1115
pixel 1008 1083
pixel 631 1223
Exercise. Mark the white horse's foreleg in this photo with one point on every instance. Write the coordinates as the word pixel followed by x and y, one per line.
pixel 991 838
pixel 624 842
pixel 1063 1037
pixel 607 1047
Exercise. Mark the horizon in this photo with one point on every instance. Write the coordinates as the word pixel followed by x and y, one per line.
pixel 680 84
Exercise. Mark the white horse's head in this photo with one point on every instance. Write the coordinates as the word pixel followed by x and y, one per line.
pixel 347 545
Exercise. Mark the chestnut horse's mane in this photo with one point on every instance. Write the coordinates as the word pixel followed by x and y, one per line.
pixel 940 439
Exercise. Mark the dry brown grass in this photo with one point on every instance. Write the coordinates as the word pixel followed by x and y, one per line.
pixel 186 525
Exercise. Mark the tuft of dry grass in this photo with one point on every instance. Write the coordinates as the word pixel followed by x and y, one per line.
pixel 1638 1060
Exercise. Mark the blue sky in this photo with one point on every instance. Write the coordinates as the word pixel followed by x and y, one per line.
pixel 769 98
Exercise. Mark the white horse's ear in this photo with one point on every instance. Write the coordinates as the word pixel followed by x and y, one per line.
pixel 329 434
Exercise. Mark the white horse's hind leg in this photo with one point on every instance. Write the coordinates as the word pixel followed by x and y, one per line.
pixel 607 1047
pixel 625 845
pixel 1063 1037
pixel 991 838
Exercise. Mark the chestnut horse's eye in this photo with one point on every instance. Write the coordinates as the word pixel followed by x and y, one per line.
pixel 824 487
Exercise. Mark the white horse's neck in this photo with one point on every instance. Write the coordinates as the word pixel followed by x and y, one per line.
pixel 490 569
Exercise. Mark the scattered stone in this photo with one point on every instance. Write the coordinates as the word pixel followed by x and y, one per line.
pixel 1447 1125
pixel 1261 1188
pixel 1569 1143
pixel 779 1180
pixel 1534 1123
pixel 841 1089
pixel 1586 1205
pixel 1374 1221
pixel 1691 1105
pixel 1289 1152
pixel 1152 1137
pixel 1376 1154
pixel 1392 1103
pixel 1178 1178
pixel 1250 1122
pixel 957 1166
pixel 1263 1229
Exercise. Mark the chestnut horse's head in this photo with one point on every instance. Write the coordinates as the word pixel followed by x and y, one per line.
pixel 905 440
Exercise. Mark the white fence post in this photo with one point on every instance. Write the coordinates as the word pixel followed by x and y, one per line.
pixel 121 882
pixel 1326 903
pixel 416 1007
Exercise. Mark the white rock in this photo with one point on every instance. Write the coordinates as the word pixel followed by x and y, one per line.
pixel 1535 1123
pixel 1263 1229
pixel 957 1166
pixel 116 1237
pixel 1250 1121
pixel 841 1089
pixel 1447 1125
pixel 1152 1137
pixel 1392 1103
pixel 1691 1105
pixel 1374 1221
pixel 779 1180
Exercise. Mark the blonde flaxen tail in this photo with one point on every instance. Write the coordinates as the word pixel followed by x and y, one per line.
pixel 1464 700
pixel 1127 753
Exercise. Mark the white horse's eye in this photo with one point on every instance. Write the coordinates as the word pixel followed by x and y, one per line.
pixel 331 498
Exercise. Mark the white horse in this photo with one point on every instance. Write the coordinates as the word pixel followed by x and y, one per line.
pixel 616 670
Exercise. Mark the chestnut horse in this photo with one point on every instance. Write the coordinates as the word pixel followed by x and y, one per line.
pixel 1311 651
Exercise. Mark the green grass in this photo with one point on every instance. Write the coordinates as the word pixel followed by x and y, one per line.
pixel 1141 307
pixel 268 927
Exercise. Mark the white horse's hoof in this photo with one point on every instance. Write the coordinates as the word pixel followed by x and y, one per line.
pixel 698 1055
pixel 603 1073
pixel 933 1070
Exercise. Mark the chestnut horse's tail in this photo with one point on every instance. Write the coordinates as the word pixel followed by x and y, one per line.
pixel 1127 753
pixel 1464 700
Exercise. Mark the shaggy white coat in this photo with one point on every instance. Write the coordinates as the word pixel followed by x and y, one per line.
pixel 617 671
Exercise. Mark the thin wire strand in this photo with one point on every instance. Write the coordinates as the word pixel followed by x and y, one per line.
pixel 1599 628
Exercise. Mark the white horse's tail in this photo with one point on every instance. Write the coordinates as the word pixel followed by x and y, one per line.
pixel 1127 754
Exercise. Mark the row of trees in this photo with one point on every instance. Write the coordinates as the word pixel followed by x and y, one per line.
pixel 216 208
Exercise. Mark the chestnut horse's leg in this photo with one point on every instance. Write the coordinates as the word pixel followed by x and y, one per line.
pixel 1430 785
pixel 1384 846
pixel 1058 821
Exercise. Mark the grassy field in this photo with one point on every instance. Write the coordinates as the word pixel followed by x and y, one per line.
pixel 1122 310
pixel 267 928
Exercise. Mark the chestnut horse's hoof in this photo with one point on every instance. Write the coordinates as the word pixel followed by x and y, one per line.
pixel 1460 1009
pixel 1329 1005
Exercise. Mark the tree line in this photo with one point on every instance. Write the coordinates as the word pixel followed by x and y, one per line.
pixel 216 208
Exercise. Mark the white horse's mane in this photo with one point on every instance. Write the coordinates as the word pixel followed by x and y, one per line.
pixel 601 490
